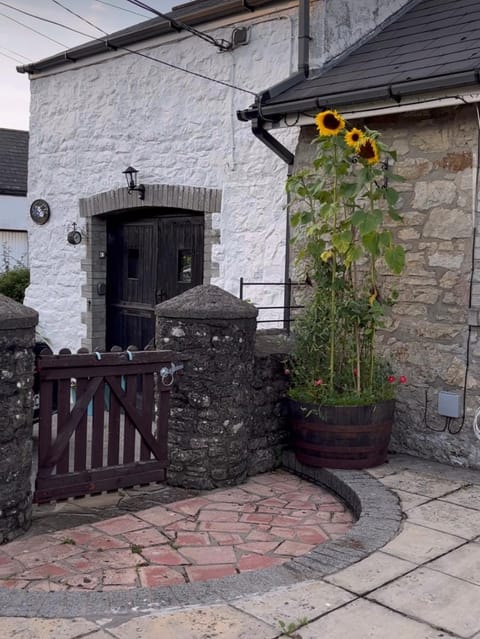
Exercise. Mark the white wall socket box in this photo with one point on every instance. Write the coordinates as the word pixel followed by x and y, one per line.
pixel 449 404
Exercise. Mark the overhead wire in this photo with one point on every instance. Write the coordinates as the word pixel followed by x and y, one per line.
pixel 10 57
pixel 178 25
pixel 20 55
pixel 4 15
pixel 116 6
pixel 124 48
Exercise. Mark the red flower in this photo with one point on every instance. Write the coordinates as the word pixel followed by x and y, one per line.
pixel 391 379
pixel 318 382
pixel 402 379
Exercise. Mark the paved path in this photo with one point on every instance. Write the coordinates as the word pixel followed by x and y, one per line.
pixel 263 523
pixel 423 584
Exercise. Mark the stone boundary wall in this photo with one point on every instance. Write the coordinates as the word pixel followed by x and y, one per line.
pixel 17 335
pixel 432 331
pixel 226 411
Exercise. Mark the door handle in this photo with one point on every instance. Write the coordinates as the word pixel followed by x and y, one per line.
pixel 160 296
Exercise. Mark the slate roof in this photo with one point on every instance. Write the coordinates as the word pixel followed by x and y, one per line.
pixel 13 162
pixel 429 45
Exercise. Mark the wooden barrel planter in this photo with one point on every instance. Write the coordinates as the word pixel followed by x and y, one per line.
pixel 350 437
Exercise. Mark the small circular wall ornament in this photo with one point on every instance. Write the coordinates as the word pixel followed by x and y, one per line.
pixel 74 237
pixel 40 211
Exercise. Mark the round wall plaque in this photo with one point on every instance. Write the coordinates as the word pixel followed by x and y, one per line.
pixel 40 211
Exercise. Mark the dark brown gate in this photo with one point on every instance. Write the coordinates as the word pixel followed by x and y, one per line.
pixel 150 259
pixel 109 429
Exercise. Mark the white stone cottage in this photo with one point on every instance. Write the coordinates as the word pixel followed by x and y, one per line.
pixel 214 200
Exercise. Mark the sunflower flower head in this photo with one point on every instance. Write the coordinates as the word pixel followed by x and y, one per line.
pixel 354 137
pixel 329 123
pixel 368 150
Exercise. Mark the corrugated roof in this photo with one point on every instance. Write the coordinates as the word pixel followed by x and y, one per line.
pixel 431 45
pixel 13 162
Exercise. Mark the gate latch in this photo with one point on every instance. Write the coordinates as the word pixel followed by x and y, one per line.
pixel 168 374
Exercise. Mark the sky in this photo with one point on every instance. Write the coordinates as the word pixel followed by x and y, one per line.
pixel 19 45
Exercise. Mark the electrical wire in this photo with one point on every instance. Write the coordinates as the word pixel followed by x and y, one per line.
pixel 16 53
pixel 59 4
pixel 10 57
pixel 123 48
pixel 4 15
pixel 116 6
pixel 32 15
pixel 223 45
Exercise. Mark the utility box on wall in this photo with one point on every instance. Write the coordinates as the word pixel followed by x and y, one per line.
pixel 449 404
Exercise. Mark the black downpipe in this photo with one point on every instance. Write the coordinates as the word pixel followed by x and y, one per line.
pixel 279 149
pixel 304 37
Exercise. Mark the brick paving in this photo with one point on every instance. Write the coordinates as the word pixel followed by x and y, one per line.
pixel 267 521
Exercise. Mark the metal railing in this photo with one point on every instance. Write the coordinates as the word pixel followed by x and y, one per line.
pixel 287 307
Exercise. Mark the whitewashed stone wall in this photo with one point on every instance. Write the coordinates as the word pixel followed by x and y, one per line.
pixel 432 333
pixel 91 119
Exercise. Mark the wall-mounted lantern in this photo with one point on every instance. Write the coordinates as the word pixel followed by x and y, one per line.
pixel 131 176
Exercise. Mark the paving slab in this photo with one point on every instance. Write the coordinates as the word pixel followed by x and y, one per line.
pixel 370 573
pixel 366 620
pixel 419 544
pixel 35 628
pixel 214 622
pixel 468 497
pixel 463 563
pixel 307 600
pixel 421 484
pixel 435 598
pixel 447 517
pixel 410 500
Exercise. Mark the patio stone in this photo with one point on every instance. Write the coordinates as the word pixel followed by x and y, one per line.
pixel 463 563
pixel 468 497
pixel 305 600
pixel 410 500
pixel 215 622
pixel 366 620
pixel 420 484
pixel 443 601
pixel 58 628
pixel 122 524
pixel 370 573
pixel 419 544
pixel 447 517
pixel 154 576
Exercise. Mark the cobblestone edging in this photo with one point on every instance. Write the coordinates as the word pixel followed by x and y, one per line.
pixel 379 516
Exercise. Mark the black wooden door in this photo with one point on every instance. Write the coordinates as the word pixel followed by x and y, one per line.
pixel 149 260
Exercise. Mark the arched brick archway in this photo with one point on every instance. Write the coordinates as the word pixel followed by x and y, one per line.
pixel 98 208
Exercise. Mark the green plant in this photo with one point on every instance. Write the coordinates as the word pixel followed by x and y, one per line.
pixel 14 282
pixel 136 549
pixel 290 628
pixel 341 208
pixel 69 540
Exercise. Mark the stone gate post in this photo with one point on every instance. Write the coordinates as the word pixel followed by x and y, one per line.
pixel 17 336
pixel 211 405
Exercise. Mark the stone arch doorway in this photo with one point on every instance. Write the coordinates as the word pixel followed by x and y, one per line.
pixel 127 239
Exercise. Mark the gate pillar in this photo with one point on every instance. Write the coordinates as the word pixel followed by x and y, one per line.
pixel 211 408
pixel 17 336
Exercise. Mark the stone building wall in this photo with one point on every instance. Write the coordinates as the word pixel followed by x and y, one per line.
pixel 432 333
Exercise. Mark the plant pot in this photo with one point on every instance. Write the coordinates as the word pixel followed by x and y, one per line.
pixel 350 437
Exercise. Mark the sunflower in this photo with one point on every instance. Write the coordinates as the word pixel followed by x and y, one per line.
pixel 329 123
pixel 368 150
pixel 354 137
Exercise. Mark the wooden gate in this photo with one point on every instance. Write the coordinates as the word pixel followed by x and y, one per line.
pixel 103 421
